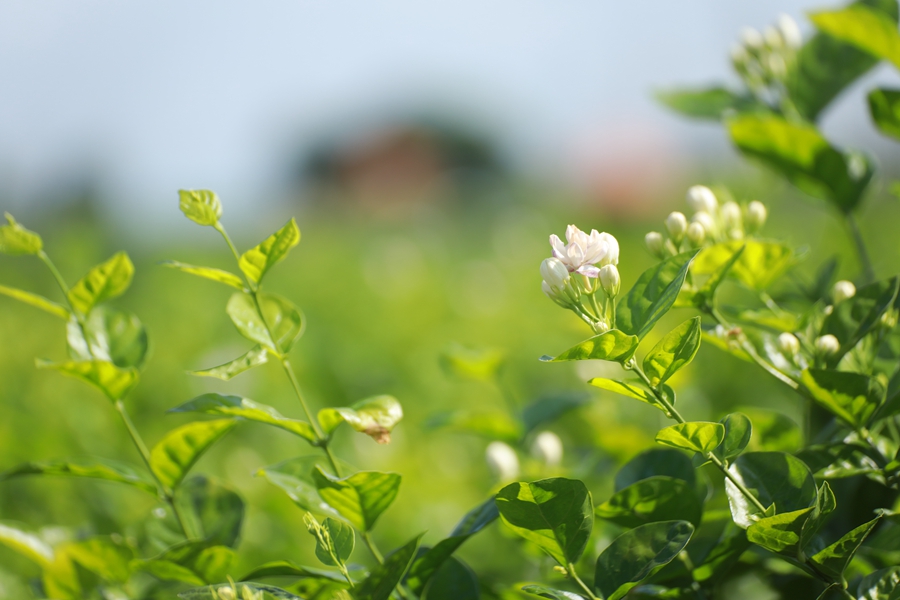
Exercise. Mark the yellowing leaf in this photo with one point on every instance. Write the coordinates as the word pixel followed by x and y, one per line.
pixel 103 282
pixel 256 261
pixel 37 301
pixel 16 240
pixel 175 454
pixel 375 417
pixel 207 273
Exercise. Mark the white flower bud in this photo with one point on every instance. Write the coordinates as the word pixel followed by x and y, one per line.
pixel 677 224
pixel 731 216
pixel 777 66
pixel 705 219
pixel 843 290
pixel 600 327
pixel 701 199
pixel 554 273
pixel 756 215
pixel 696 233
pixel 751 38
pixel 502 460
pixel 788 344
pixel 790 31
pixel 547 448
pixel 827 345
pixel 654 241
pixel 609 279
pixel 612 250
pixel 738 55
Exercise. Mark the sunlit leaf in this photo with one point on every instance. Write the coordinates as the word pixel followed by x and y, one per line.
pixel 91 468
pixel 335 542
pixel 200 206
pixel 359 498
pixel 109 334
pixel 103 375
pixel 834 559
pixel 255 357
pixel 613 345
pixel 15 240
pixel 244 408
pixel 176 453
pixel 284 568
pixel 27 544
pixel 256 261
pixel 103 282
pixel 710 103
pixel 295 477
pixel 546 592
pixel 779 533
pixel 656 498
pixel 37 301
pixel 697 436
pixel 375 417
pixel 107 557
pixel 852 397
pixel 630 389
pixel 384 578
pixel 868 29
pixel 774 478
pixel 738 431
pixel 191 562
pixel 673 352
pixel 207 273
pixel 652 295
pixel 884 106
pixel 281 319
pixel 758 266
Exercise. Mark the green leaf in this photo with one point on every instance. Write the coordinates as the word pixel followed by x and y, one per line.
pixel 545 592
pixel 673 352
pixel 799 152
pixel 256 261
pixel 281 318
pixel 482 364
pixel 491 424
pixel 880 585
pixel 653 295
pixel 103 282
pixel 549 407
pixel 710 103
pixel 707 293
pixel 852 397
pixel 637 555
pixel 453 581
pixel 613 345
pixel 655 462
pixel 214 274
pixel 284 568
pixel 295 477
pixel 359 498
pixel 92 468
pixel 738 431
pixel 772 431
pixel 839 460
pixel 834 559
pixel 200 206
pixel 697 436
pixel 868 29
pixel 103 375
pixel 27 544
pixel 656 498
pixel 780 533
pixel 15 240
pixel 37 301
pixel 244 408
pixel 176 453
pixel 211 510
pixel 255 357
pixel 108 559
pixel 851 320
pixel 113 335
pixel 556 514
pixel 632 390
pixel 245 589
pixel 774 478
pixel 727 551
pixel 384 578
pixel 755 263
pixel 342 539
pixel 884 106
pixel 376 417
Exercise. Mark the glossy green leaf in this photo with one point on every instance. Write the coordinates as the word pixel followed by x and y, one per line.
pixel 613 345
pixel 884 107
pixel 283 320
pixel 655 462
pixel 879 585
pixel 630 389
pixel 774 478
pixel 245 589
pixel 211 510
pixel 738 431
pixel 652 295
pixel 482 364
pixel 453 581
pixel 824 504
pixel 35 300
pixel 759 265
pixel 212 273
pixel 27 544
pixel 94 468
pixel 852 397
pixel 176 453
pixel 780 533
pixel 851 320
pixel 284 568
pixel 244 408
pixel 15 240
pixel 103 375
pixel 673 352
pixel 256 261
pixel 696 436
pixel 109 334
pixel 727 551
pixel 839 460
pixel 342 539
pixel 546 592
pixel 359 498
pixel 834 559
pixel 295 477
pixel 710 103
pixel 200 206
pixel 375 417
pixel 637 555
pixel 102 283
pixel 868 29
pixel 255 357
pixel 384 578
pixel 656 498
pixel 491 424
pixel 798 151
pixel 556 514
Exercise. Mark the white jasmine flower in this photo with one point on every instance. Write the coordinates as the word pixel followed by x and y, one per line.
pixel 731 215
pixel 554 272
pixel 706 220
pixel 654 241
pixel 676 224
pixel 696 233
pixel 827 345
pixel 751 38
pixel 547 448
pixel 503 461
pixel 701 199
pixel 788 344
pixel 843 290
pixel 790 31
pixel 612 254
pixel 583 251
pixel 756 215
pixel 610 280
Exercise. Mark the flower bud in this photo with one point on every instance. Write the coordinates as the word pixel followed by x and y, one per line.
pixel 547 448
pixel 554 273
pixel 739 56
pixel 676 224
pixel 701 199
pixel 827 345
pixel 696 233
pixel 889 319
pixel 756 215
pixel 600 327
pixel 706 220
pixel 790 31
pixel 788 344
pixel 731 216
pixel 502 460
pixel 751 38
pixel 609 279
pixel 773 38
pixel 843 290
pixel 776 65
pixel 612 250
pixel 654 241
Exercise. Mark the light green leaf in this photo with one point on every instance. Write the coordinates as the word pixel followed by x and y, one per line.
pixel 491 424
pixel 834 559
pixel 37 301
pixel 255 357
pixel 852 397
pixel 656 498
pixel 244 589
pixel 384 578
pixel 103 282
pixel 103 375
pixel 556 514
pixel 176 453
pixel 637 555
pixel 256 261
pixel 335 540
pixel 780 533
pixel 27 544
pixel 214 274
pixel 758 266
pixel 200 206
pixel 653 295
pixel 707 293
pixel 284 568
pixel 632 390
pixel 15 240
pixel 113 335
pixel 699 436
pixel 673 352
pixel 376 417
pixel 480 364
pixel 774 478
pixel 109 559
pixel 546 592
pixel 884 106
pixel 191 562
pixel 613 345
pixel 280 318
pixel 868 29
pixel 710 103
pixel 359 498
pixel 92 468
pixel 244 408
pixel 738 431
pixel 295 477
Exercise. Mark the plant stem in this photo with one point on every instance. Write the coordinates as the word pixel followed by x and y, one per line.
pixel 56 275
pixel 859 242
pixel 574 575
pixel 370 544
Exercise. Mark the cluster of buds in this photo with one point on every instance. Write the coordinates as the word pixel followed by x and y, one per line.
pixel 503 461
pixel 762 58
pixel 582 276
pixel 709 223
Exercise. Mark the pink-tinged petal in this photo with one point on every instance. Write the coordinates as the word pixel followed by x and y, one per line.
pixel 571 233
pixel 575 255
pixel 589 271
pixel 597 252
pixel 559 249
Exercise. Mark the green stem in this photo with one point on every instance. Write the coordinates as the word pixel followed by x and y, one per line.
pixel 370 544
pixel 56 275
pixel 859 242
pixel 570 568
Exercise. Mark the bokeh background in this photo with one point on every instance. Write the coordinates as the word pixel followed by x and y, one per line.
pixel 427 151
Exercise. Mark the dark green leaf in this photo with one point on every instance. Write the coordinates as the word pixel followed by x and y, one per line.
pixel 852 397
pixel 453 581
pixel 255 357
pixel 880 585
pixel 696 436
pixel 384 578
pixel 673 352
pixel 725 553
pixel 113 335
pixel 177 452
pixel 884 106
pixel 15 240
pixel 93 468
pixel 244 408
pixel 613 345
pixel 851 320
pixel 375 417
pixel 834 559
pixel 774 478
pixel 755 263
pixel 214 274
pixel 556 514
pixel 256 261
pixel 657 498
pixel 200 206
pixel 37 301
pixel 654 462
pixel 710 103
pixel 282 320
pixel 738 431
pixel 335 540
pixel 103 282
pixel 839 460
pixel 212 511
pixel 869 29
pixel 103 375
pixel 653 295
pixel 283 568
pixel 359 498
